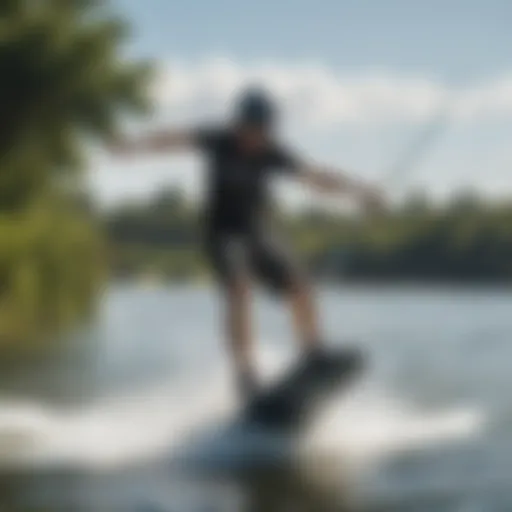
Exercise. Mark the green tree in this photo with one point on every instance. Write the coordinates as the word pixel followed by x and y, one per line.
pixel 63 85
pixel 64 88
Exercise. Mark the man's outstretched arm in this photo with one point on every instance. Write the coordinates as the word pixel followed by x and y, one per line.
pixel 156 142
pixel 335 182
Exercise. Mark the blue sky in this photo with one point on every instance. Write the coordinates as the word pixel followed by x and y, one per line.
pixel 377 71
pixel 458 40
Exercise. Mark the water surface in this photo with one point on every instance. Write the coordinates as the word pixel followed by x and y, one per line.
pixel 137 413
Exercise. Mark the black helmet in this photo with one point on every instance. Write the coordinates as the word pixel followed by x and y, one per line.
pixel 255 107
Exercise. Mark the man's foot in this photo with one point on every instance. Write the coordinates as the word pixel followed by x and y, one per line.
pixel 247 384
pixel 311 361
pixel 319 359
pixel 315 356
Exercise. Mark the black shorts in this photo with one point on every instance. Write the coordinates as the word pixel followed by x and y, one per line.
pixel 259 255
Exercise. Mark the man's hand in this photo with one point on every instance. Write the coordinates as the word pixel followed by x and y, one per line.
pixel 371 199
pixel 119 146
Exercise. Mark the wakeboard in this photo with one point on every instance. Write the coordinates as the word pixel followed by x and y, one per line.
pixel 291 402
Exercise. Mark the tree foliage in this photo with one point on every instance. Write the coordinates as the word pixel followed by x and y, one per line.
pixel 64 87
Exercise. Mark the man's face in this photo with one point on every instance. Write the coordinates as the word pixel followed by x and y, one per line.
pixel 252 137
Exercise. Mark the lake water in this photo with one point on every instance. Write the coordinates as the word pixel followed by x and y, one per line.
pixel 136 414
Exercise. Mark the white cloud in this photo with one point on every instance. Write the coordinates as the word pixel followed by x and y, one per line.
pixel 320 97
pixel 371 123
pixel 490 99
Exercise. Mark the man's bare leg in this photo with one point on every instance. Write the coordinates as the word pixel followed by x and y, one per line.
pixel 306 322
pixel 239 330
pixel 305 316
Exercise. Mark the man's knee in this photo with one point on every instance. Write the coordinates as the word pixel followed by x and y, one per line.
pixel 284 281
pixel 299 284
pixel 277 268
pixel 237 288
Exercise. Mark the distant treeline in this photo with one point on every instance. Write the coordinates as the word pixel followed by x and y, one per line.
pixel 466 240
